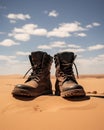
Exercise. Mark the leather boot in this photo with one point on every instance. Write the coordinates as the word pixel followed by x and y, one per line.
pixel 66 84
pixel 38 83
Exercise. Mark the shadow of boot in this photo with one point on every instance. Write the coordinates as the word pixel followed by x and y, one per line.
pixel 80 98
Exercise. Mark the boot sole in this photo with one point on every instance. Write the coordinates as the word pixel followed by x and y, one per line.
pixel 22 92
pixel 73 93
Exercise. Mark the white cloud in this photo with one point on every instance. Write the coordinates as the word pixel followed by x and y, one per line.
pixel 53 13
pixel 18 16
pixel 22 37
pixel 18 67
pixel 44 47
pixel 73 46
pixel 21 53
pixel 94 24
pixel 18 30
pixel 81 34
pixel 59 44
pixel 96 47
pixel 89 26
pixel 27 28
pixel 24 33
pixel 40 32
pixel 8 42
pixel 71 27
pixel 58 33
pixel 91 65
pixel 65 29
pixel 11 65
pixel 101 56
pixel 8 59
pixel 12 21
pixel 73 50
pixel 56 44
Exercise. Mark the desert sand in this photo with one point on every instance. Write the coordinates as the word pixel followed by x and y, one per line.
pixel 51 112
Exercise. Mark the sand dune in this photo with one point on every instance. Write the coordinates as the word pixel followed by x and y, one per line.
pixel 51 112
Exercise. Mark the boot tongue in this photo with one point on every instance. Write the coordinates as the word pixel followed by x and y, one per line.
pixel 37 57
pixel 66 60
pixel 66 57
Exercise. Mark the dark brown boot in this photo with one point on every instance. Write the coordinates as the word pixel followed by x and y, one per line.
pixel 66 84
pixel 38 83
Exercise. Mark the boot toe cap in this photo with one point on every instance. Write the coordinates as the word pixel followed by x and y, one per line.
pixel 73 91
pixel 22 90
pixel 73 87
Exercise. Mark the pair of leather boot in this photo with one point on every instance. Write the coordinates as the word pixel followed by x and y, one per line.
pixel 38 83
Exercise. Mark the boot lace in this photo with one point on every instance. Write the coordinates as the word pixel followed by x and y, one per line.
pixel 35 74
pixel 68 71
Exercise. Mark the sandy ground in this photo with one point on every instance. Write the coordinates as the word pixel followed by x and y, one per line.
pixel 51 112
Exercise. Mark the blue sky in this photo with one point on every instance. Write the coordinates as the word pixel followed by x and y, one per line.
pixel 52 26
